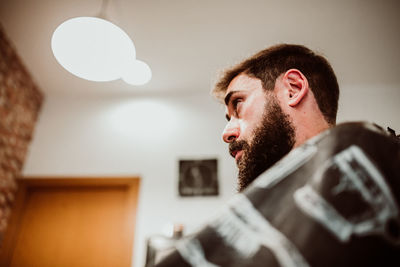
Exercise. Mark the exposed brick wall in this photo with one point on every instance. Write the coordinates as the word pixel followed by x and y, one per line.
pixel 20 102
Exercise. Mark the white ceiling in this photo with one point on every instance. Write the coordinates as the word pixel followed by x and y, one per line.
pixel 186 42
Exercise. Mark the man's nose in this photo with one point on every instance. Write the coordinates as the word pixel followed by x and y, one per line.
pixel 231 132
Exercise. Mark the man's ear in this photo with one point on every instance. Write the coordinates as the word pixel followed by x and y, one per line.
pixel 297 86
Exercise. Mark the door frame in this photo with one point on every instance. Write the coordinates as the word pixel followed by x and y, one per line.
pixel 7 245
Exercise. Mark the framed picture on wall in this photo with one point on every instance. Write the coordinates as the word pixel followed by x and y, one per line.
pixel 198 177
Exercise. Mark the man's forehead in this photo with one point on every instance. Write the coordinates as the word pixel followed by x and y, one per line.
pixel 242 83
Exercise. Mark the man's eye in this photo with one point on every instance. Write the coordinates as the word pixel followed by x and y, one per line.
pixel 235 103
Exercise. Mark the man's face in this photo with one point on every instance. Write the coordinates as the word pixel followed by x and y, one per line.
pixel 259 133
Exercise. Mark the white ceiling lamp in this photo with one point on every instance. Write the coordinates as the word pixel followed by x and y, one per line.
pixel 95 49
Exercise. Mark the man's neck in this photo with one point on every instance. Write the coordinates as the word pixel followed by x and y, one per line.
pixel 307 131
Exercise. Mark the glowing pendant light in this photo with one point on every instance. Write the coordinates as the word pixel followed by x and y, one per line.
pixel 97 50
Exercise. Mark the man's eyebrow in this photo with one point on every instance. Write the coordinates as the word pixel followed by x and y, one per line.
pixel 228 96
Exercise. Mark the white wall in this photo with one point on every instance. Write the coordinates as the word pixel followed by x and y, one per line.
pixel 378 103
pixel 131 136
pixel 146 136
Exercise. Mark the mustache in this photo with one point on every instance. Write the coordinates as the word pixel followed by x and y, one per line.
pixel 237 145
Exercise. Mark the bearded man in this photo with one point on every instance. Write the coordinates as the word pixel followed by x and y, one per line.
pixel 330 196
pixel 275 101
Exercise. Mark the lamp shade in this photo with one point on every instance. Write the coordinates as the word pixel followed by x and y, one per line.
pixel 97 50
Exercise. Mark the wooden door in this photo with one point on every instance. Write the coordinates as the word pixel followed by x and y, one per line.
pixel 72 222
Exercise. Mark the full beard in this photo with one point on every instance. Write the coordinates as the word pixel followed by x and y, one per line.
pixel 271 141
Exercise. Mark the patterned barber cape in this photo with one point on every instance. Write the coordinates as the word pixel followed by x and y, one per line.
pixel 332 202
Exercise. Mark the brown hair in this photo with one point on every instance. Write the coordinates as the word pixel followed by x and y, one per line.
pixel 267 65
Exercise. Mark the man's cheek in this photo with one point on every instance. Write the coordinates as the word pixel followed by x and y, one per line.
pixel 245 130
